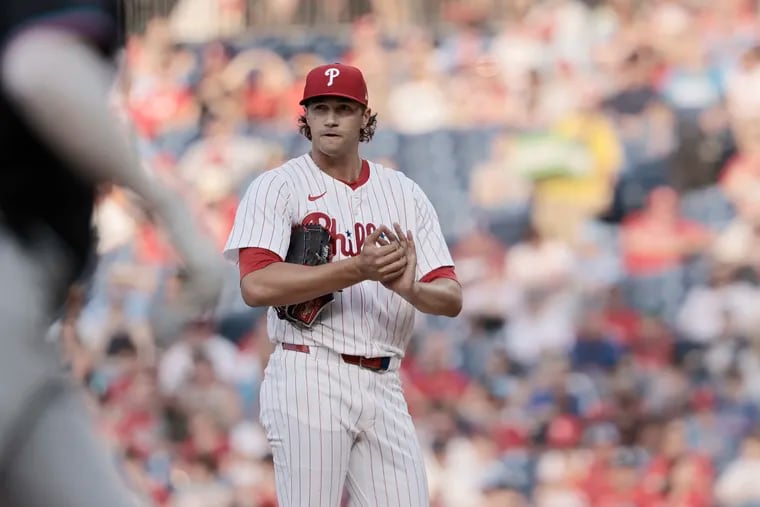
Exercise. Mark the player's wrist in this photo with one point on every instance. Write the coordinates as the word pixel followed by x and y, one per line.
pixel 354 269
pixel 411 294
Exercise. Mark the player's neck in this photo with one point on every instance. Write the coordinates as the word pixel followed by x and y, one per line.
pixel 345 168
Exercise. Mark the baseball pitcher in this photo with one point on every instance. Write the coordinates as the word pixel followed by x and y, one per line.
pixel 345 251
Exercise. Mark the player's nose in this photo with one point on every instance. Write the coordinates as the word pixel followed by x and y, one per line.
pixel 331 119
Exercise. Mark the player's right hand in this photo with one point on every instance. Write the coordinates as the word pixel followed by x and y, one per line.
pixel 381 262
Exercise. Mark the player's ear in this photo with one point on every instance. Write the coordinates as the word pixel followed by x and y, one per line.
pixel 365 117
pixel 306 114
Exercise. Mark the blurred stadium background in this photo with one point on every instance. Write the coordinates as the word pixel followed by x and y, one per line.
pixel 596 167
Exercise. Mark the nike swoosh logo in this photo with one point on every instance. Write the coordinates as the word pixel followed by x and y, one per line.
pixel 315 197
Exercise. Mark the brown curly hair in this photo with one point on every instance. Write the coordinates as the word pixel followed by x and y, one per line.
pixel 365 134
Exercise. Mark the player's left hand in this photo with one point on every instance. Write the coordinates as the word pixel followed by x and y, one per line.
pixel 404 285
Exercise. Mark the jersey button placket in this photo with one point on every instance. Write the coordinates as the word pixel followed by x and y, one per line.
pixel 356 208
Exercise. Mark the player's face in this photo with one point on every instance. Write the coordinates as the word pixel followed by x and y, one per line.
pixel 335 125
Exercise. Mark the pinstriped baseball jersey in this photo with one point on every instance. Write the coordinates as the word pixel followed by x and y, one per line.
pixel 366 319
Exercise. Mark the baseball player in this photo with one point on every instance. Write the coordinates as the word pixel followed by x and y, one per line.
pixel 59 140
pixel 331 399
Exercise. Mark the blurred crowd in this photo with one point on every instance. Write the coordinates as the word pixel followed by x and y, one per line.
pixel 596 169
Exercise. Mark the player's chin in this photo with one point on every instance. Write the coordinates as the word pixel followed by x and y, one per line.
pixel 331 145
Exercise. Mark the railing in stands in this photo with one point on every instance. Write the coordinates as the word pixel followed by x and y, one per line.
pixel 318 15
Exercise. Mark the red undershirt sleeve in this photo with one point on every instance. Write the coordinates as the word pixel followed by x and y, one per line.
pixel 253 259
pixel 442 272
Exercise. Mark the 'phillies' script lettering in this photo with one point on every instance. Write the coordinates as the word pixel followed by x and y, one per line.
pixel 348 243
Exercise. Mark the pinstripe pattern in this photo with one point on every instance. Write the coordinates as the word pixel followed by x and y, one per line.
pixel 373 448
pixel 366 319
pixel 332 425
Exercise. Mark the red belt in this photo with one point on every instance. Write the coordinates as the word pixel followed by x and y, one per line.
pixel 370 363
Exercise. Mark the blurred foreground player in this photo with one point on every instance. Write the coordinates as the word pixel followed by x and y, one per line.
pixel 59 141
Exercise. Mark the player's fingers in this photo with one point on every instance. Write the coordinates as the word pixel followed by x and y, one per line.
pixel 381 232
pixel 393 241
pixel 399 233
pixel 410 242
pixel 392 271
pixel 391 255
pixel 392 277
pixel 372 251
pixel 390 235
pixel 385 250
pixel 393 266
pixel 375 235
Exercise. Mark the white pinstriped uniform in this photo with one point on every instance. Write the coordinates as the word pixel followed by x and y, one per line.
pixel 330 422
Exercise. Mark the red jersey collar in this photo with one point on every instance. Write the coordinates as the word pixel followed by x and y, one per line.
pixel 361 180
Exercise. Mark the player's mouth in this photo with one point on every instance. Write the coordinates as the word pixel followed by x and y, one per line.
pixel 331 135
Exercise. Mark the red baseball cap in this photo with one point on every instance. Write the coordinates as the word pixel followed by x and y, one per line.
pixel 335 80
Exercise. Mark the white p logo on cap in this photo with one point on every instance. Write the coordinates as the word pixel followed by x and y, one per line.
pixel 332 73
